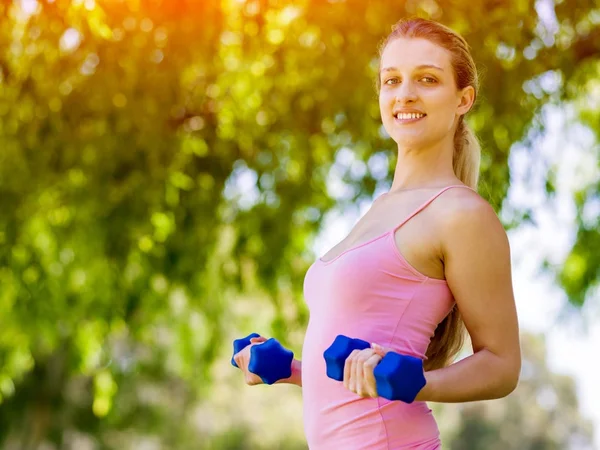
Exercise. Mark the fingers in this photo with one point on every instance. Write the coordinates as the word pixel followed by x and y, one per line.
pixel 238 359
pixel 349 380
pixel 239 356
pixel 368 377
pixel 242 359
pixel 381 351
pixel 252 379
pixel 358 372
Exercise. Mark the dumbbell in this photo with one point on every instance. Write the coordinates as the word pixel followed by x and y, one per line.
pixel 269 360
pixel 398 377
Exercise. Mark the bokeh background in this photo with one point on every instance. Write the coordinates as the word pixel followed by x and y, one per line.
pixel 169 169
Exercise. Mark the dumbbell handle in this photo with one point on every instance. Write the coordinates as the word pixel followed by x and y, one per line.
pixel 269 360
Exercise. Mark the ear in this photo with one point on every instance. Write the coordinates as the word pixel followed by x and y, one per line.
pixel 466 97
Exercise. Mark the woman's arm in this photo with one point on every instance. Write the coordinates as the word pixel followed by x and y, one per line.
pixel 478 271
pixel 296 377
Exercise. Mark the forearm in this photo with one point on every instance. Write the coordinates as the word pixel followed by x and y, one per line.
pixel 481 376
pixel 296 377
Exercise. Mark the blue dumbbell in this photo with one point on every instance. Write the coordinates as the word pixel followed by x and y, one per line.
pixel 269 360
pixel 335 356
pixel 398 377
pixel 240 344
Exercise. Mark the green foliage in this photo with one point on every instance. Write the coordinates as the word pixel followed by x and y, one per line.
pixel 157 158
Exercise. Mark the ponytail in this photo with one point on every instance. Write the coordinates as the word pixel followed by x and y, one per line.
pixel 467 155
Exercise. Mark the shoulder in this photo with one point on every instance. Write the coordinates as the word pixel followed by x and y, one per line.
pixel 459 202
pixel 468 219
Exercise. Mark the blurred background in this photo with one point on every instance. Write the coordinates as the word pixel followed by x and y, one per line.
pixel 169 169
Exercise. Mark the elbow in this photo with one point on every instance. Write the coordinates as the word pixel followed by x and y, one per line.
pixel 510 380
pixel 503 388
pixel 510 385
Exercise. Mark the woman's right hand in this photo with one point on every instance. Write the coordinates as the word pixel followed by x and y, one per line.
pixel 242 359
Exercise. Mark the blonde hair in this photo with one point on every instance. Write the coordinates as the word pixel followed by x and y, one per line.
pixel 449 334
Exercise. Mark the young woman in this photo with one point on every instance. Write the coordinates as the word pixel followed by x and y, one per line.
pixel 427 260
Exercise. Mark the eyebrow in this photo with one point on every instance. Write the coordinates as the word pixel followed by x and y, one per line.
pixel 422 66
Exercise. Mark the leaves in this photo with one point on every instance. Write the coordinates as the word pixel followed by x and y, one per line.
pixel 158 159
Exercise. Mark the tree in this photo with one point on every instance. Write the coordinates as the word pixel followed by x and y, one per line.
pixel 157 157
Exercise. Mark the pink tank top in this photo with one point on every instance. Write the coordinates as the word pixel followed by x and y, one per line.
pixel 369 292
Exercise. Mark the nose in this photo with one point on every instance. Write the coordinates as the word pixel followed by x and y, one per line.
pixel 406 93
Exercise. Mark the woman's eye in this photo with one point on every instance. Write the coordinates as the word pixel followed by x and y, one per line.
pixel 427 80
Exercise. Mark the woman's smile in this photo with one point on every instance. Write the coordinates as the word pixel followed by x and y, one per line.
pixel 408 118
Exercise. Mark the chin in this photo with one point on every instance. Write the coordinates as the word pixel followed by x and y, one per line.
pixel 409 141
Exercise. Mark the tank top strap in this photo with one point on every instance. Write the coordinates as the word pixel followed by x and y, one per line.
pixel 428 202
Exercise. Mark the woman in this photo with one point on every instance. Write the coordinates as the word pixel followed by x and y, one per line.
pixel 429 258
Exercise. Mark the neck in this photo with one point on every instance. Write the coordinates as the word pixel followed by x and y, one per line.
pixel 423 168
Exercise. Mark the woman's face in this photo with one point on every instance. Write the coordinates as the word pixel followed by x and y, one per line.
pixel 418 98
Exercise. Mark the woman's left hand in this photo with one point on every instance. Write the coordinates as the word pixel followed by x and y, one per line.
pixel 358 370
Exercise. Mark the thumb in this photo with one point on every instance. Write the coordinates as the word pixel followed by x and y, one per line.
pixel 258 340
pixel 381 351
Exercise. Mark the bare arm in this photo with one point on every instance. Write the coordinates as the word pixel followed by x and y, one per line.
pixel 296 377
pixel 477 266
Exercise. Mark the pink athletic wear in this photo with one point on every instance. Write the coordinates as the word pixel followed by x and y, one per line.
pixel 369 292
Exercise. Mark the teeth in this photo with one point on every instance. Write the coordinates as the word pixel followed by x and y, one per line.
pixel 407 116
